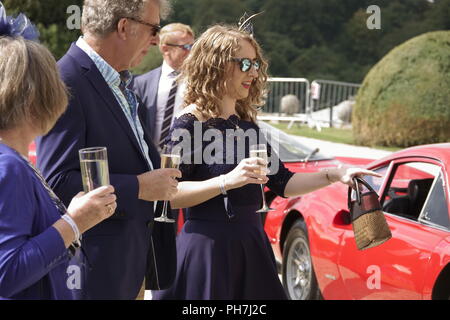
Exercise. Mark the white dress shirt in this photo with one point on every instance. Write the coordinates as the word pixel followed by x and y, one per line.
pixel 165 84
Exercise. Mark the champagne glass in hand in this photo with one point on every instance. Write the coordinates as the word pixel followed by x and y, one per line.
pixel 94 168
pixel 170 158
pixel 260 151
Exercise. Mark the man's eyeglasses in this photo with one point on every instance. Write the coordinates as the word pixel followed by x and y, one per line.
pixel 156 28
pixel 186 47
pixel 245 64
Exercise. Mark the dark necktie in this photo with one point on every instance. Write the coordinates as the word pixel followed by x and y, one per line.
pixel 168 113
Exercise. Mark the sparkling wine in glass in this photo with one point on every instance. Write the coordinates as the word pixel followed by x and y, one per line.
pixel 94 168
pixel 169 159
pixel 260 151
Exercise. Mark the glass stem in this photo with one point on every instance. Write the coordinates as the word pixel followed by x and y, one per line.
pixel 263 195
pixel 164 213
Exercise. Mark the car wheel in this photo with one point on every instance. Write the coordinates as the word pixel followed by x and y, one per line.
pixel 299 279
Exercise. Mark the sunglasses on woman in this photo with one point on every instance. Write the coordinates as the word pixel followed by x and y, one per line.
pixel 245 64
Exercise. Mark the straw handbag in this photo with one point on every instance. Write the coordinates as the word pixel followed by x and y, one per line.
pixel 368 221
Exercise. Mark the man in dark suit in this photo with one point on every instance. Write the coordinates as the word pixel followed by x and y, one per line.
pixel 160 93
pixel 103 111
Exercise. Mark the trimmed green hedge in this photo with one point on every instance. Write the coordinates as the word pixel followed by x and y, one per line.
pixel 405 99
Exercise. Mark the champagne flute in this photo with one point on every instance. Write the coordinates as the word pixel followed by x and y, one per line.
pixel 94 168
pixel 170 158
pixel 260 151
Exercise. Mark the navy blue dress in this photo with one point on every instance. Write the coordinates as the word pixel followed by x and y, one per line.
pixel 219 257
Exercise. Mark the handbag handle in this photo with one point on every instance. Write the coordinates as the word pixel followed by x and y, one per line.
pixel 358 192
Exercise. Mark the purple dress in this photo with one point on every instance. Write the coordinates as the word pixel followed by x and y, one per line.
pixel 218 256
pixel 34 262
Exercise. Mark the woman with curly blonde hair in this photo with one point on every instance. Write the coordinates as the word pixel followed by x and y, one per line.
pixel 206 73
pixel 222 250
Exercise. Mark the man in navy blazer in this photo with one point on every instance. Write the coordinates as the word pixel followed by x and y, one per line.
pixel 103 111
pixel 154 87
pixel 146 87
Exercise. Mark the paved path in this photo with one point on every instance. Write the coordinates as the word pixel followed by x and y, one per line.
pixel 343 150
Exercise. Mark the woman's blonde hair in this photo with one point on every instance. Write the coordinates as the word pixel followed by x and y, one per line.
pixel 207 67
pixel 30 86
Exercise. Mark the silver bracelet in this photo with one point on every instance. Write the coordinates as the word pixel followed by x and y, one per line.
pixel 74 227
pixel 222 184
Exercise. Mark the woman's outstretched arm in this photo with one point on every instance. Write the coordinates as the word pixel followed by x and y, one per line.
pixel 302 183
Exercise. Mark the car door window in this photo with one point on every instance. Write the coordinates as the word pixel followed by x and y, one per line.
pixel 408 188
pixel 376 182
pixel 435 210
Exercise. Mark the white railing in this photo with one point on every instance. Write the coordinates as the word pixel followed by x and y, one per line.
pixel 318 99
pixel 280 87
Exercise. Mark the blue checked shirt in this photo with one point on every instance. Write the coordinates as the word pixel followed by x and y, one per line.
pixel 118 83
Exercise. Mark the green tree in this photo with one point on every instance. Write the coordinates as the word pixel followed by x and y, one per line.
pixel 223 11
pixel 183 11
pixel 320 62
pixel 295 34
pixel 358 42
pixel 152 60
pixel 50 16
pixel 438 16
pixel 281 51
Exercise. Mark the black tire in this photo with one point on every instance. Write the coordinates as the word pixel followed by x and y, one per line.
pixel 299 279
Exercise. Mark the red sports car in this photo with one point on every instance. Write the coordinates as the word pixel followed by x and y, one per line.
pixel 313 239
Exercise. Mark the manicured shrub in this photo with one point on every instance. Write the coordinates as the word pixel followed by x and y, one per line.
pixel 405 98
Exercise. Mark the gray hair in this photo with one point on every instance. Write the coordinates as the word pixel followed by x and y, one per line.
pixel 100 17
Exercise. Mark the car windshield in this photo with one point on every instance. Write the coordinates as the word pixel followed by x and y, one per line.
pixel 287 147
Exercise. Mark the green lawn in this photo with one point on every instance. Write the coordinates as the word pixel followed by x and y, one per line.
pixel 327 134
